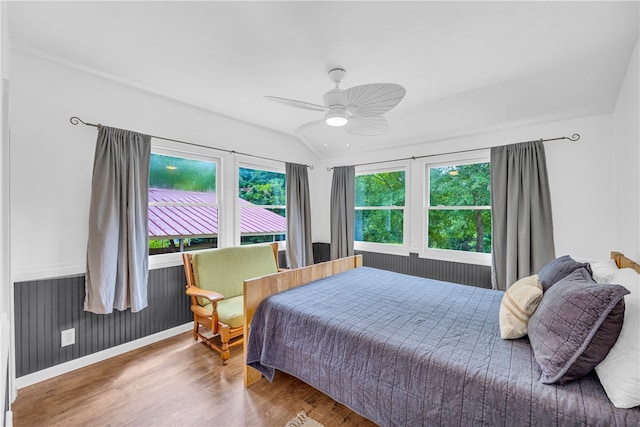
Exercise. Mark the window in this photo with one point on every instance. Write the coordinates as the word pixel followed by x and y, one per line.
pixel 458 208
pixel 380 208
pixel 262 205
pixel 183 209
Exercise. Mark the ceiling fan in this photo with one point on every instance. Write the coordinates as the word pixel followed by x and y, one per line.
pixel 359 109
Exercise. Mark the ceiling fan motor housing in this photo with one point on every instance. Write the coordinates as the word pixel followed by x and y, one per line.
pixel 334 98
pixel 334 101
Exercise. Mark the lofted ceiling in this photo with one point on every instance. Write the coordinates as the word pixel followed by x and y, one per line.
pixel 467 67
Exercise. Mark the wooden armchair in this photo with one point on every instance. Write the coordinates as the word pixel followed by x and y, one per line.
pixel 215 280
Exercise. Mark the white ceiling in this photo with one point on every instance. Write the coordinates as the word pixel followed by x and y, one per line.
pixel 468 67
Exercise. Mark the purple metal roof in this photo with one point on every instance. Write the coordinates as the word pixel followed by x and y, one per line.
pixel 202 221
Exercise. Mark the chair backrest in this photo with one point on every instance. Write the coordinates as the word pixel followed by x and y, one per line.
pixel 225 269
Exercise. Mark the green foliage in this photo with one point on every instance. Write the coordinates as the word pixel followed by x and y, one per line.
pixel 264 238
pixel 158 244
pixel 460 229
pixel 380 189
pixel 380 225
pixel 470 187
pixel 262 187
pixel 181 174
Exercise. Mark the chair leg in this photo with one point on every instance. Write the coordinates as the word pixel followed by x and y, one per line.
pixel 196 329
pixel 224 337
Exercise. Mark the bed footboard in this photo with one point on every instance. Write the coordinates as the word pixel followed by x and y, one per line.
pixel 255 290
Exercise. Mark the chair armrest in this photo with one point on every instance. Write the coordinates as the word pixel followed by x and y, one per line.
pixel 201 311
pixel 194 291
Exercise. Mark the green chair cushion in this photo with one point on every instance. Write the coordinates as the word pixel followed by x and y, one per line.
pixel 224 270
pixel 230 311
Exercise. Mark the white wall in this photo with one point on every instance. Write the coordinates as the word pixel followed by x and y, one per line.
pixel 579 173
pixel 626 185
pixel 51 160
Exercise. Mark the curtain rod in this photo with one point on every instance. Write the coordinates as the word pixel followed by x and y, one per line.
pixel 573 137
pixel 76 120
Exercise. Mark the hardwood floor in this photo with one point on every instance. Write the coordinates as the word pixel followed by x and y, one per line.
pixel 175 382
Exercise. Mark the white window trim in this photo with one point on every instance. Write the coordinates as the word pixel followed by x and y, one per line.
pixel 168 148
pixel 388 248
pixel 480 156
pixel 261 164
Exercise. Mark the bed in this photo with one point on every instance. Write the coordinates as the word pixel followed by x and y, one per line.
pixel 402 350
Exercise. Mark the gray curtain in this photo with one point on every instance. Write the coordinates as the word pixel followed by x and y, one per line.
pixel 342 211
pixel 299 245
pixel 522 225
pixel 117 251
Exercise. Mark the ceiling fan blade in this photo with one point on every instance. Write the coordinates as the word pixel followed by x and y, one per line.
pixel 367 126
pixel 372 100
pixel 309 127
pixel 298 104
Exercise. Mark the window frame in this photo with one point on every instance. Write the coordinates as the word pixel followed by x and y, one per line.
pixel 479 156
pixel 387 248
pixel 259 164
pixel 172 259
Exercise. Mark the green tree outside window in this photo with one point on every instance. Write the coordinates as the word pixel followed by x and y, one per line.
pixel 380 201
pixel 459 212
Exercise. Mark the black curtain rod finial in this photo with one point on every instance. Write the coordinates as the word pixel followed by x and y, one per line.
pixel 77 120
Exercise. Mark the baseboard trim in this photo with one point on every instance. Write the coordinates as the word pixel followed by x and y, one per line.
pixel 81 362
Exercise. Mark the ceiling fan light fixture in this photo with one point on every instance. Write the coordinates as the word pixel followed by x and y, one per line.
pixel 337 117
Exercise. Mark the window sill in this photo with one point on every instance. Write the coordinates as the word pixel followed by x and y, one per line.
pixel 456 256
pixel 165 260
pixel 174 259
pixel 381 248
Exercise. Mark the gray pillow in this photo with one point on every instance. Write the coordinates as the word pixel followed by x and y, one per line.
pixel 575 326
pixel 558 269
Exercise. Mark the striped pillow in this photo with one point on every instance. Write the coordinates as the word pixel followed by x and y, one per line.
pixel 518 304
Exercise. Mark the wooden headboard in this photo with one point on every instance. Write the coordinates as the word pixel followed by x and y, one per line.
pixel 624 262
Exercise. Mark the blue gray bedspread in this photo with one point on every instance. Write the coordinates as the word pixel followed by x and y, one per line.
pixel 407 351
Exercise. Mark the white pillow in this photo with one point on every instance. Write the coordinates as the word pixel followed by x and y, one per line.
pixel 619 372
pixel 604 271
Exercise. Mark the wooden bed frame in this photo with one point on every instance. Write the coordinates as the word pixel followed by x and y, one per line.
pixel 255 290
